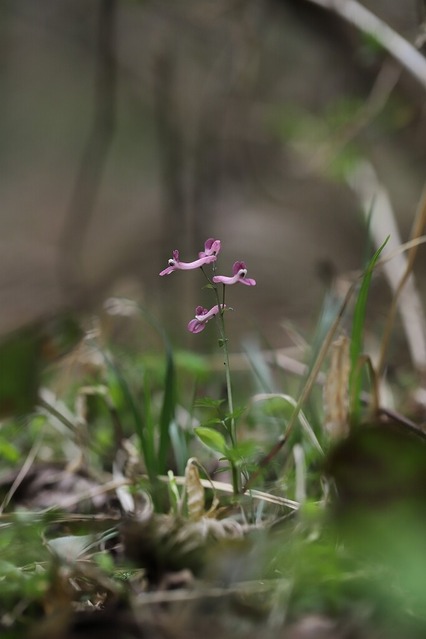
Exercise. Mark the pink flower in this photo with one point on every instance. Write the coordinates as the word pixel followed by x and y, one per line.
pixel 239 275
pixel 176 265
pixel 202 316
pixel 211 247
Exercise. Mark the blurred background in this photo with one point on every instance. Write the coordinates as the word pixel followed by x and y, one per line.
pixel 131 128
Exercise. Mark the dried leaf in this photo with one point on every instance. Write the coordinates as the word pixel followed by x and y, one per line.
pixel 194 491
pixel 336 390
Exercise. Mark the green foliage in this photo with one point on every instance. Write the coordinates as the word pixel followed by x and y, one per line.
pixel 24 354
pixel 8 451
pixel 342 554
pixel 148 425
pixel 20 369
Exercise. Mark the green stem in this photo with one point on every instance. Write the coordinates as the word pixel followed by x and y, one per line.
pixel 232 431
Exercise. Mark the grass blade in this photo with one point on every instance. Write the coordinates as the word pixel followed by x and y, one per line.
pixel 355 381
pixel 149 431
pixel 167 412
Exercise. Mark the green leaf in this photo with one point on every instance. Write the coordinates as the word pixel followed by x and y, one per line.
pixel 212 439
pixel 8 451
pixel 208 402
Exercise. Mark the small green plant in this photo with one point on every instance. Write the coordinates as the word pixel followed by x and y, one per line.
pixel 209 436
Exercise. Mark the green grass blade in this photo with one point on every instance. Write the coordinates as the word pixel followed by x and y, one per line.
pixel 169 399
pixel 355 351
pixel 167 412
pixel 134 410
pixel 149 432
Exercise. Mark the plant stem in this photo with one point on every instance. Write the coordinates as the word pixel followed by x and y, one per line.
pixel 232 431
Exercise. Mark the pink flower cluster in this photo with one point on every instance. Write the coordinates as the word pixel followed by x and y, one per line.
pixel 208 256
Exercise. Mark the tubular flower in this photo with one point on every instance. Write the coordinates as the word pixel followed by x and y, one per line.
pixel 211 247
pixel 239 271
pixel 202 316
pixel 176 265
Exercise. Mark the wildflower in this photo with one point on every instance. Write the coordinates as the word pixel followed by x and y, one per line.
pixel 176 265
pixel 239 271
pixel 202 316
pixel 211 247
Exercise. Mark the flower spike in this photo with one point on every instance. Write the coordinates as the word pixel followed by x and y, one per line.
pixel 176 265
pixel 202 316
pixel 239 271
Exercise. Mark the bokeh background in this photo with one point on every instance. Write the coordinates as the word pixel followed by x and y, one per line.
pixel 130 128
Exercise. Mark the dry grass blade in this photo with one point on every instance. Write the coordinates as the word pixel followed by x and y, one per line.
pixel 398 270
pixel 415 332
pixel 336 390
pixel 223 487
pixel 194 491
pixel 96 491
